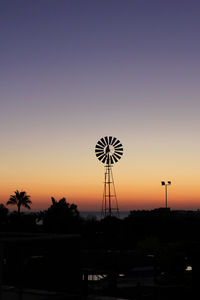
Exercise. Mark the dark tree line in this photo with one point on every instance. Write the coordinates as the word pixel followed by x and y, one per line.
pixel 141 230
pixel 170 238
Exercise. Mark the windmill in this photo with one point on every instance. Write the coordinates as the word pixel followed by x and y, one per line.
pixel 109 151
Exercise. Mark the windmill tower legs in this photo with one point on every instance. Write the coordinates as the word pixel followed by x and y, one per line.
pixel 109 203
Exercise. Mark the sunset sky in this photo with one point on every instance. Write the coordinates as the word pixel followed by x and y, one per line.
pixel 73 71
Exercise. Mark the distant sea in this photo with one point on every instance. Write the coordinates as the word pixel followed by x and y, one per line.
pixel 122 214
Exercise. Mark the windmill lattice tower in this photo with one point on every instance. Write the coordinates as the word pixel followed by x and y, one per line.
pixel 109 150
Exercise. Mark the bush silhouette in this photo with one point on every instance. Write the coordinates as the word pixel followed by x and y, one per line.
pixel 3 214
pixel 61 216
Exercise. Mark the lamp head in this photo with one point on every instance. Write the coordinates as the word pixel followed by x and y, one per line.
pixel 162 183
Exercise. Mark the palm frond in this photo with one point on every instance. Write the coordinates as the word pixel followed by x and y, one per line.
pixel 11 202
pixel 27 206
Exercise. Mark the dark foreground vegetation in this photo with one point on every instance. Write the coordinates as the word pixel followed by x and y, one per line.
pixel 147 255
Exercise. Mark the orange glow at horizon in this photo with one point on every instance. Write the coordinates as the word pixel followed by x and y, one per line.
pixel 139 194
pixel 80 178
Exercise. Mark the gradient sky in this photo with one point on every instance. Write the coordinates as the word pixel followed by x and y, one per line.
pixel 73 71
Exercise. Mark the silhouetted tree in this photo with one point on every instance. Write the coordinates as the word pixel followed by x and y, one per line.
pixel 3 213
pixel 20 199
pixel 61 216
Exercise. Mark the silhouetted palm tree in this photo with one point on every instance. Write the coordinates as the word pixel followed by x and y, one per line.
pixel 20 199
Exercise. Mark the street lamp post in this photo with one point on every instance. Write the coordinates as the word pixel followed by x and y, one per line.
pixel 166 184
